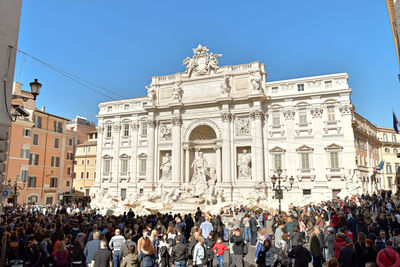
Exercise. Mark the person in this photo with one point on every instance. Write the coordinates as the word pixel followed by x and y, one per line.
pixel 315 247
pixel 294 236
pixel 91 247
pixel 330 242
pixel 131 259
pixel 278 235
pixel 338 244
pixel 199 253
pixel 103 256
pixel 332 262
pixel 360 248
pixel 77 256
pixel 95 230
pixel 347 255
pixel 370 252
pixel 61 256
pixel 147 255
pixel 163 254
pixel 209 244
pixel 219 248
pixel 179 253
pixel 268 254
pixel 124 250
pixel 115 245
pixel 206 227
pixel 300 255
pixel 142 240
pixel 260 248
pixel 388 256
pixel 253 230
pixel 380 244
pixel 238 251
pixel 246 227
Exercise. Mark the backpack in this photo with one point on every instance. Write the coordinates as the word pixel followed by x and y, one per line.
pixel 261 258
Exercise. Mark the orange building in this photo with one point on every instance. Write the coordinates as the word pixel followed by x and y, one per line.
pixel 41 153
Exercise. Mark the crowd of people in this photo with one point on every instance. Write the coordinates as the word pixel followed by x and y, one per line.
pixel 355 232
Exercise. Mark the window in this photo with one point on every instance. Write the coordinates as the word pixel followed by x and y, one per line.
pixel 328 84
pixel 124 166
pixel 389 181
pixel 49 200
pixel 53 182
pixel 27 132
pixel 385 137
pixel 144 129
pixel 34 159
pixel 87 192
pixel 70 142
pixel 278 161
pixel 300 87
pixel 70 156
pixel 94 175
pixel 55 161
pixel 334 156
pixel 388 168
pixel 276 118
pixel 126 130
pixel 88 149
pixel 109 108
pixel 82 175
pixel 74 175
pixel 68 170
pixel 303 116
pixel 87 162
pixel 387 150
pixel 108 132
pixel 25 152
pixel 142 166
pixel 306 192
pixel 32 199
pixel 32 181
pixel 394 138
pixel 84 149
pixel 24 176
pixel 67 183
pixel 58 127
pixel 56 143
pixel 35 139
pixel 38 122
pixel 123 194
pixel 305 161
pixel 87 175
pixel 331 114
pixel 395 151
pixel 83 162
pixel 126 106
pixel 107 165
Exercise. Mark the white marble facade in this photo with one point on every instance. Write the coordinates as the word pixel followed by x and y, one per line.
pixel 229 125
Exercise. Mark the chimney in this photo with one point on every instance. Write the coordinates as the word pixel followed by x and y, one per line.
pixel 43 109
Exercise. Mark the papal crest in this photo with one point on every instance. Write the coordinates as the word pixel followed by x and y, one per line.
pixel 202 62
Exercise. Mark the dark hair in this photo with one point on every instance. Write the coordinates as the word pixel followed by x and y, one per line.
pixel 132 249
pixel 389 243
pixel 128 236
pixel 267 244
pixel 178 238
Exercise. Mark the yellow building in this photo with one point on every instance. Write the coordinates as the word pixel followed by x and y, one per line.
pixel 390 147
pixel 85 165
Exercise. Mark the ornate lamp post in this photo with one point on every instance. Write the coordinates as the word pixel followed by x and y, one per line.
pixel 279 188
pixel 15 188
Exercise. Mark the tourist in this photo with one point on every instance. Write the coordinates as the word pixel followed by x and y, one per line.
pixel 260 247
pixel 379 243
pixel 294 236
pixel 61 255
pixel 77 255
pixel 91 247
pixel 245 227
pixel 360 247
pixel 268 254
pixel 332 262
pixel 199 253
pixel 388 256
pixel 237 247
pixel 209 244
pixel 253 230
pixel 93 231
pixel 348 256
pixel 219 248
pixel 279 234
pixel 115 245
pixel 179 253
pixel 141 241
pixel 206 227
pixel 131 259
pixel 370 252
pixel 103 256
pixel 330 242
pixel 300 255
pixel 147 255
pixel 339 243
pixel 163 251
pixel 124 249
pixel 315 247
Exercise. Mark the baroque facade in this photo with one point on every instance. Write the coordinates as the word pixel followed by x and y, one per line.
pixel 228 126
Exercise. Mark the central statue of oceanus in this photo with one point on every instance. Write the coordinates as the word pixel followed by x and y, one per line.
pixel 199 179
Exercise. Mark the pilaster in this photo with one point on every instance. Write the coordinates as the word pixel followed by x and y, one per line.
pixel 176 149
pixel 226 148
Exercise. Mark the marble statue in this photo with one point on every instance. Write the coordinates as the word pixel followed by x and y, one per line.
pixel 255 79
pixel 150 94
pixel 244 164
pixel 165 131
pixel 242 126
pixel 202 62
pixel 177 91
pixel 225 86
pixel 166 166
pixel 199 166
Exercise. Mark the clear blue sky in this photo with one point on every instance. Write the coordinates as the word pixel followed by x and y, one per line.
pixel 122 44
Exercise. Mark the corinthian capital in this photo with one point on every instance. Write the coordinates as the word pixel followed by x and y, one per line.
pixel 257 115
pixel 152 124
pixel 288 114
pixel 226 116
pixel 346 109
pixel 316 112
pixel 176 121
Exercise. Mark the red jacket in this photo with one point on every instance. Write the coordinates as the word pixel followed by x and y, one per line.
pixel 349 234
pixel 335 220
pixel 391 259
pixel 337 245
pixel 219 247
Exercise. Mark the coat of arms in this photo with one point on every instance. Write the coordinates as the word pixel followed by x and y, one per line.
pixel 202 62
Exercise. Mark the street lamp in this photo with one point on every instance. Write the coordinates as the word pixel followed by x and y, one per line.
pixel 15 188
pixel 279 188
pixel 35 90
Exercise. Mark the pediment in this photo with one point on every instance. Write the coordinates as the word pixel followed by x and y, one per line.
pixel 142 155
pixel 277 149
pixel 333 147
pixel 106 156
pixel 124 156
pixel 304 148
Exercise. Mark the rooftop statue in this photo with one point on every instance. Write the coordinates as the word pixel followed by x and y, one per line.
pixel 202 62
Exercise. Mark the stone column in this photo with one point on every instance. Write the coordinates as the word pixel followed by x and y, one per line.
pixel 115 160
pixel 218 162
pixel 133 164
pixel 257 146
pixel 187 165
pixel 226 149
pixel 176 149
pixel 151 124
pixel 99 158
pixel 291 151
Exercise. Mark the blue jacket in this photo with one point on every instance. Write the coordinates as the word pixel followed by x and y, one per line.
pixel 90 248
pixel 260 247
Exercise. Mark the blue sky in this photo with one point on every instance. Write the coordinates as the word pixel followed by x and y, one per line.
pixel 122 44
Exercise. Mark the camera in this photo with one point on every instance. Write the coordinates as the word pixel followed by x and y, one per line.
pixel 21 110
